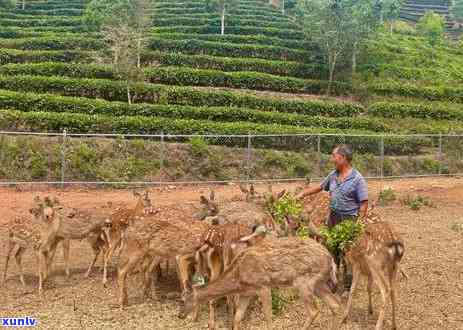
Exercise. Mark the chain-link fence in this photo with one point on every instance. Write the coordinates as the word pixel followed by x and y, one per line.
pixel 60 158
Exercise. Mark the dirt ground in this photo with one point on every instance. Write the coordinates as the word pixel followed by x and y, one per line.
pixel 430 299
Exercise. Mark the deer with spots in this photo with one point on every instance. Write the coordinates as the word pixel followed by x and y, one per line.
pixel 285 262
pixel 39 235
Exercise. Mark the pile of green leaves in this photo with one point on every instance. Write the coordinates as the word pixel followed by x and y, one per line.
pixel 287 206
pixel 339 238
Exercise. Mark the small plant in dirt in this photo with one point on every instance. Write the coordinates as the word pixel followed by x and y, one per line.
pixel 457 226
pixel 339 238
pixel 281 299
pixel 417 202
pixel 386 196
pixel 198 146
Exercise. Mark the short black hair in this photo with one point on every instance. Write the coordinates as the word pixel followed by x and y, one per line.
pixel 346 151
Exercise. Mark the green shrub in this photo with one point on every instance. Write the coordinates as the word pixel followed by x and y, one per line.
pixel 282 68
pixel 340 237
pixel 438 111
pixel 198 146
pixel 386 196
pixel 53 22
pixel 239 30
pixel 193 46
pixel 432 93
pixel 185 76
pixel 150 93
pixel 52 43
pixel 417 202
pixel 21 56
pixel 61 104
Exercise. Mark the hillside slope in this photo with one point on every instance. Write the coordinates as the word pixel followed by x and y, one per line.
pixel 200 82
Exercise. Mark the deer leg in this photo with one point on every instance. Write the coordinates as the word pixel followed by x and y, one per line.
pixel 107 257
pixel 42 265
pixel 18 256
pixel 11 246
pixel 306 291
pixel 265 296
pixel 355 280
pixel 325 294
pixel 148 272
pixel 66 247
pixel 215 269
pixel 241 307
pixel 383 288
pixel 393 287
pixel 50 255
pixel 96 253
pixel 126 266
pixel 369 289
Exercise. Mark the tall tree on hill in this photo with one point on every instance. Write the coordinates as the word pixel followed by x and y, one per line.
pixel 222 7
pixel 431 27
pixel 339 28
pixel 124 25
pixel 388 11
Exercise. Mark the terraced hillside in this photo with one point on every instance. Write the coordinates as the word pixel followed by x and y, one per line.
pixel 260 77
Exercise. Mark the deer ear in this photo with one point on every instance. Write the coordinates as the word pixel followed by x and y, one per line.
pixel 281 194
pixel 252 190
pixel 136 193
pixel 203 200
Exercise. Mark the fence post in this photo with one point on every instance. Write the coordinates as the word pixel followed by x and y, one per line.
pixel 381 157
pixel 63 158
pixel 161 158
pixel 248 158
pixel 440 154
pixel 319 156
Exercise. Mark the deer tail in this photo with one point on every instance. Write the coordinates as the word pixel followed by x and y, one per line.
pixel 396 250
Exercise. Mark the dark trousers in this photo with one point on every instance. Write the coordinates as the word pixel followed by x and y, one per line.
pixel 333 220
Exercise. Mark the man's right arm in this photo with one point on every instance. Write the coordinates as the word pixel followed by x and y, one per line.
pixel 309 191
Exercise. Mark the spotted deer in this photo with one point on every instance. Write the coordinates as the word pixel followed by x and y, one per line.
pixel 39 235
pixel 215 253
pixel 116 226
pixel 285 262
pixel 158 240
pixel 376 254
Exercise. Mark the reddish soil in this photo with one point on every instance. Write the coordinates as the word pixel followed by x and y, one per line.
pixel 430 299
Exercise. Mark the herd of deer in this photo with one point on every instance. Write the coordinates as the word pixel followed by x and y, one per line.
pixel 235 245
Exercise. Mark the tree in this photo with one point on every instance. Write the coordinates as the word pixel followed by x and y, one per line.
pixel 388 11
pixel 338 27
pixel 457 10
pixel 124 25
pixel 8 4
pixel 221 6
pixel 431 27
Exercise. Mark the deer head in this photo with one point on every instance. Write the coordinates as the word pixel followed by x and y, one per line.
pixel 209 207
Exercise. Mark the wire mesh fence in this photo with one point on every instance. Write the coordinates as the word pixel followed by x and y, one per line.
pixel 60 158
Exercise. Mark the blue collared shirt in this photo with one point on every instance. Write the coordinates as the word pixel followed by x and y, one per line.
pixel 346 196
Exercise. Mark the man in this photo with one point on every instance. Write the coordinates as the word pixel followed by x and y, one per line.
pixel 348 195
pixel 347 188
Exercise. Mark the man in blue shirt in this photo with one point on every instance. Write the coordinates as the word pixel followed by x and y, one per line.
pixel 347 188
pixel 348 196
